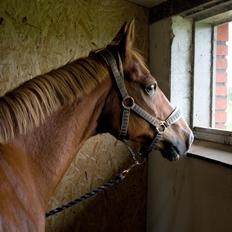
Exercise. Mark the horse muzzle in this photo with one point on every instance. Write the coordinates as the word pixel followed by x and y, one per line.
pixel 177 148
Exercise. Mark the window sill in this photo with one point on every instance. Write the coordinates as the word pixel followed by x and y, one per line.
pixel 212 151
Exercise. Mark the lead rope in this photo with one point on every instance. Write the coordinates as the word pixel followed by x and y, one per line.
pixel 115 180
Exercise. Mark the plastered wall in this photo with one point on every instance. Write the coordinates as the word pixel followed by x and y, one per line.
pixel 37 36
pixel 170 60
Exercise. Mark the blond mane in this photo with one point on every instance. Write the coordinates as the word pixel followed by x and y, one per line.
pixel 28 105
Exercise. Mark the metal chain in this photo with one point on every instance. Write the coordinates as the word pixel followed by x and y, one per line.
pixel 115 180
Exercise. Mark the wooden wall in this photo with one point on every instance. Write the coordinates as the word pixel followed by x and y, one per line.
pixel 37 36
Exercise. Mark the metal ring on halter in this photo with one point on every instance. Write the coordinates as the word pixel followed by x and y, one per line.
pixel 128 102
pixel 161 127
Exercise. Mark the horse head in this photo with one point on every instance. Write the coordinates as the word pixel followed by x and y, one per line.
pixel 136 108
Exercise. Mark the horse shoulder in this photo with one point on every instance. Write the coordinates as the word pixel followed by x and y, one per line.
pixel 19 204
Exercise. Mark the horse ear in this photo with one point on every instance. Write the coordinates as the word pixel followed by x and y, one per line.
pixel 117 39
pixel 125 38
pixel 129 37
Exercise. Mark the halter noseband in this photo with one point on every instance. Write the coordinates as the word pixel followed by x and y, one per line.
pixel 128 104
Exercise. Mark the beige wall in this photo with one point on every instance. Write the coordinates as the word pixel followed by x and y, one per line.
pixel 36 36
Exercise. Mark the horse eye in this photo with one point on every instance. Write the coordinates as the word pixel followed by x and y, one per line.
pixel 150 89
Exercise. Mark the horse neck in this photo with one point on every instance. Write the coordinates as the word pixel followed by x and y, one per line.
pixel 51 147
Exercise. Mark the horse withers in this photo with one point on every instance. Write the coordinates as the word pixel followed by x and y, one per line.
pixel 45 121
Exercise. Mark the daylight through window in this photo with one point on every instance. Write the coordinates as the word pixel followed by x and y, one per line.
pixel 222 94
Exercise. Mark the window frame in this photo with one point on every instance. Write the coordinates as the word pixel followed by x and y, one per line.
pixel 204 131
pixel 202 57
pixel 213 135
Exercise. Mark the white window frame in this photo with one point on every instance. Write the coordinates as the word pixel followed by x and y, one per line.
pixel 203 92
pixel 213 135
pixel 202 75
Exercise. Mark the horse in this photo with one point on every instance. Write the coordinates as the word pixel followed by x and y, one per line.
pixel 45 121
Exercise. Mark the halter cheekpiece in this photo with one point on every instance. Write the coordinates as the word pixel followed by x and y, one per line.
pixel 128 104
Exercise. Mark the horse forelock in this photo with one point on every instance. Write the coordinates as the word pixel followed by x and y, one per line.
pixel 28 105
pixel 137 55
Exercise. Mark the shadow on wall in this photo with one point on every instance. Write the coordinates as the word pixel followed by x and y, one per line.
pixel 191 195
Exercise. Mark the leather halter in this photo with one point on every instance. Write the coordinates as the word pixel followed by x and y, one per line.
pixel 128 104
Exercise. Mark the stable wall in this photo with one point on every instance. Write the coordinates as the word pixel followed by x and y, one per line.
pixel 37 36
pixel 191 195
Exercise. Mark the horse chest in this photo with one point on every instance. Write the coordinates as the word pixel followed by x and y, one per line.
pixel 18 199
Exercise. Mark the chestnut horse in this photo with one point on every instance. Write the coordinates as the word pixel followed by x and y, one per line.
pixel 46 120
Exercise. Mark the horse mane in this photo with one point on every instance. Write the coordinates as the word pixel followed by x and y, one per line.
pixel 28 105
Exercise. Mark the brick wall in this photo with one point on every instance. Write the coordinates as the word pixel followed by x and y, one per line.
pixel 220 116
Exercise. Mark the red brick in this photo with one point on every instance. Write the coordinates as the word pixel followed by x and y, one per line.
pixel 221 90
pixel 220 104
pixel 222 50
pixel 220 117
pixel 222 32
pixel 221 63
pixel 220 125
pixel 221 77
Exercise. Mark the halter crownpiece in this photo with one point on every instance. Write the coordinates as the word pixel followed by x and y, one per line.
pixel 128 104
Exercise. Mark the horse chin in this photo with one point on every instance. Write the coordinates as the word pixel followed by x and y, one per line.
pixel 171 153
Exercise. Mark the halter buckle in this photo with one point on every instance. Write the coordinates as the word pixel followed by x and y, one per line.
pixel 161 127
pixel 128 102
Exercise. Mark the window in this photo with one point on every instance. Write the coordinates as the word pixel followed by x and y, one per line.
pixel 184 57
pixel 188 64
pixel 222 71
pixel 212 80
